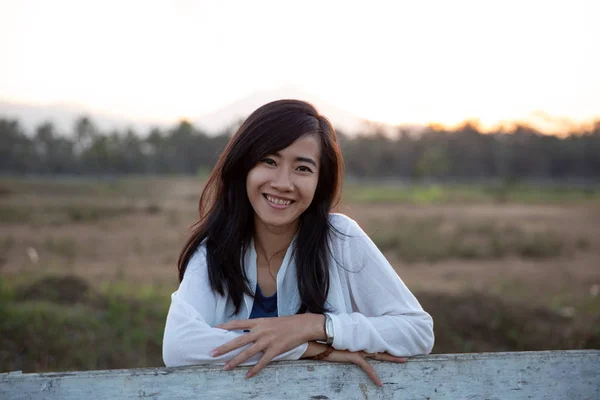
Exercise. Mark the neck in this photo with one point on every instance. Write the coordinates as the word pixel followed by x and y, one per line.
pixel 269 240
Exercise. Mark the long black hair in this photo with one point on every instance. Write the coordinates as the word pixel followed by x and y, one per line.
pixel 226 217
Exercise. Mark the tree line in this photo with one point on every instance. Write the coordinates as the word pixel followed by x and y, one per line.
pixel 435 153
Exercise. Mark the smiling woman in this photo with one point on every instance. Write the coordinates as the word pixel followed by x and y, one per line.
pixel 287 181
pixel 268 273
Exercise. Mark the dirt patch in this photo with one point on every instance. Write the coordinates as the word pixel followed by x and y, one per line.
pixel 476 322
pixel 5 191
pixel 67 289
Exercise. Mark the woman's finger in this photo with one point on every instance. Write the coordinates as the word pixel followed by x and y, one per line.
pixel 233 344
pixel 368 368
pixel 236 325
pixel 389 358
pixel 266 358
pixel 244 355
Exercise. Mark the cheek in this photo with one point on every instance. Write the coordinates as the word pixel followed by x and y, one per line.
pixel 254 180
pixel 309 188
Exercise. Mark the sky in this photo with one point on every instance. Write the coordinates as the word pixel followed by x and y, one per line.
pixel 398 62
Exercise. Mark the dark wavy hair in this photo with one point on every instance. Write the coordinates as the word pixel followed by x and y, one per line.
pixel 226 217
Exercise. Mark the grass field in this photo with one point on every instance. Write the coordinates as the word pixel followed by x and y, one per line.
pixel 87 266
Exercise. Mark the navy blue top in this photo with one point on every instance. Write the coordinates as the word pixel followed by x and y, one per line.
pixel 264 307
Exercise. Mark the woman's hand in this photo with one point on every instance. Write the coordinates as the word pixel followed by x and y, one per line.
pixel 359 358
pixel 273 336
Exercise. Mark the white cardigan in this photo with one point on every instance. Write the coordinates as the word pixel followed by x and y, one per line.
pixel 371 308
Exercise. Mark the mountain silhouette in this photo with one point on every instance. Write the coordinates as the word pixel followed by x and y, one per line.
pixel 240 109
pixel 63 116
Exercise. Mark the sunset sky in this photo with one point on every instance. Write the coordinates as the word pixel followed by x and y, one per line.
pixel 412 62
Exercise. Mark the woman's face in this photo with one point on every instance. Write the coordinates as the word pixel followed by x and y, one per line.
pixel 281 186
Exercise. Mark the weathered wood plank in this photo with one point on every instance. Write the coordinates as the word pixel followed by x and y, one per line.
pixel 524 375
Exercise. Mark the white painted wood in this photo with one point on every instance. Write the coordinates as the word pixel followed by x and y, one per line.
pixel 526 375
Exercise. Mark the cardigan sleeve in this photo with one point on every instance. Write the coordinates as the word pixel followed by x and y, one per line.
pixel 385 315
pixel 189 337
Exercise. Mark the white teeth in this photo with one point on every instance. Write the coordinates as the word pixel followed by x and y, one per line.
pixel 279 201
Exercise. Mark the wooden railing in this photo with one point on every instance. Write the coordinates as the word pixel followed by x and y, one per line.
pixel 568 375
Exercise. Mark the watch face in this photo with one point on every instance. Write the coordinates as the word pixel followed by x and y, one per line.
pixel 329 329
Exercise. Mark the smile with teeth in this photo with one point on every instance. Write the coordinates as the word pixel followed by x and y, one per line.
pixel 279 202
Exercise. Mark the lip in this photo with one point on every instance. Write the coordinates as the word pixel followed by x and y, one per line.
pixel 278 206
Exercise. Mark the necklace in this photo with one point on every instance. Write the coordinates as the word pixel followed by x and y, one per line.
pixel 269 259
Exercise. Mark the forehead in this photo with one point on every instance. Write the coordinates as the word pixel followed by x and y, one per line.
pixel 306 146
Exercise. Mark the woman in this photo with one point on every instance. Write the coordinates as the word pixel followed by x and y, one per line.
pixel 268 273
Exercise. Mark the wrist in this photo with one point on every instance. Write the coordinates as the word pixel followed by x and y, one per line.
pixel 317 328
pixel 314 349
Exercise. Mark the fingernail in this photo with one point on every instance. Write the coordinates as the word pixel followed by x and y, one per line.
pixel 248 375
pixel 227 367
pixel 214 353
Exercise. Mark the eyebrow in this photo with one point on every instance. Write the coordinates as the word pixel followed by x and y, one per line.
pixel 307 160
pixel 302 159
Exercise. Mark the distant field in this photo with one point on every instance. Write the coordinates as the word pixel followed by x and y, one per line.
pixel 463 193
pixel 87 266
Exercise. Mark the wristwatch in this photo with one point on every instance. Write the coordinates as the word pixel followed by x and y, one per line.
pixel 328 330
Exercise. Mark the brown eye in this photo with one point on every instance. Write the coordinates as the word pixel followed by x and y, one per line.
pixel 268 161
pixel 304 168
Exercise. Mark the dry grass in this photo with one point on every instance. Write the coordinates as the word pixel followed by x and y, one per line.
pixel 514 259
pixel 133 229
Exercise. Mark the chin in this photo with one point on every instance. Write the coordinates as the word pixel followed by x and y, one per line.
pixel 276 221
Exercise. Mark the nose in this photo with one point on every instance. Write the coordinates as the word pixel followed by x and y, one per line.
pixel 282 181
